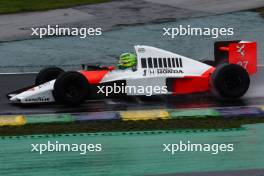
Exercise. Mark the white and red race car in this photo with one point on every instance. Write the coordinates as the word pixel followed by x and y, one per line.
pixel 228 76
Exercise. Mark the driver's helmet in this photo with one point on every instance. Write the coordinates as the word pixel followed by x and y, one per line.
pixel 127 60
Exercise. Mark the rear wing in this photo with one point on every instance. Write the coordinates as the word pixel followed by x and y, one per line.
pixel 237 52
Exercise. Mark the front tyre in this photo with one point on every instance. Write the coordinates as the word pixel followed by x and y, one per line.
pixel 230 81
pixel 71 88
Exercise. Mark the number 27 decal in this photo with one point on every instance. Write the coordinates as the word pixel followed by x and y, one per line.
pixel 243 64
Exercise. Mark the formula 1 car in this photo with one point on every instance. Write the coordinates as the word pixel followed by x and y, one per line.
pixel 228 76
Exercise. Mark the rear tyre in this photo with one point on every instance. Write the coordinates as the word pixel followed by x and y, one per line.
pixel 71 88
pixel 230 81
pixel 48 74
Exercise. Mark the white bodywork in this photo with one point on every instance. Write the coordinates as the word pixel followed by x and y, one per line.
pixel 38 94
pixel 163 64
pixel 189 67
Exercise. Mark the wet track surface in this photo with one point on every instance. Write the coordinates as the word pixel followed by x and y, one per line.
pixel 70 52
pixel 11 82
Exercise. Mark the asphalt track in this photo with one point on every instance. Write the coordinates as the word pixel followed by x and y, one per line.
pixel 126 12
pixel 11 82
pixel 212 6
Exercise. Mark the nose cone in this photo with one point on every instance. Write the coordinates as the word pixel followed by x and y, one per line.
pixel 15 99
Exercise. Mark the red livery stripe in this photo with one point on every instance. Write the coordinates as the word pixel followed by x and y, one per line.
pixel 94 77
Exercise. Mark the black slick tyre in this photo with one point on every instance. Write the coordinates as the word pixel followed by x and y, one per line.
pixel 71 88
pixel 48 74
pixel 230 81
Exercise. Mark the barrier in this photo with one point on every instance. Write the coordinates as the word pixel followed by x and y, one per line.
pixel 194 113
pixel 96 116
pixel 239 112
pixel 262 109
pixel 145 115
pixel 136 115
pixel 12 120
pixel 49 118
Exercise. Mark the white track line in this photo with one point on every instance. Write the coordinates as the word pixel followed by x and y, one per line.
pixel 18 73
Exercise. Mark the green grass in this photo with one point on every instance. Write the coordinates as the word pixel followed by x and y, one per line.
pixel 15 6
